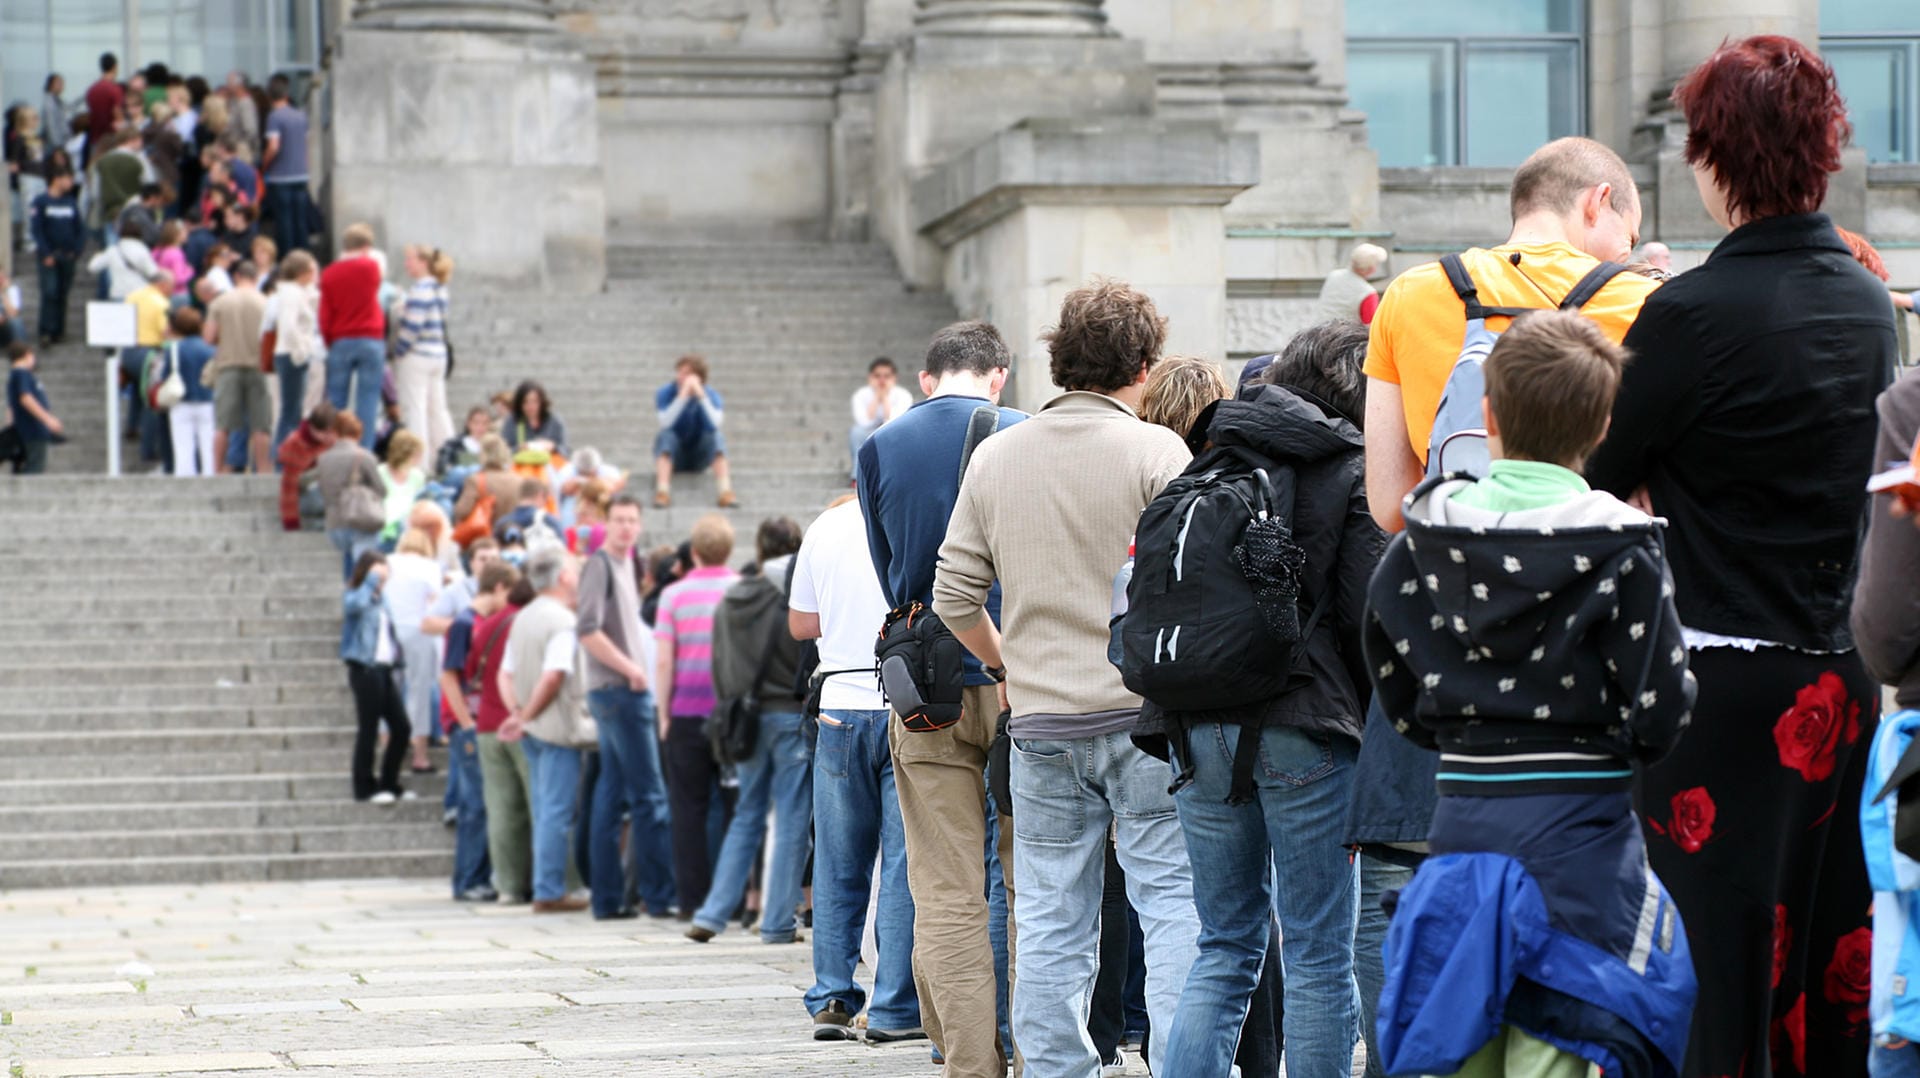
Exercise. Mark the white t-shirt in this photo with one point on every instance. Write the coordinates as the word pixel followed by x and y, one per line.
pixel 898 401
pixel 13 300
pixel 413 583
pixel 558 656
pixel 834 578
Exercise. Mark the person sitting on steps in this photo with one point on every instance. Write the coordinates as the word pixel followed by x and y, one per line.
pixel 690 439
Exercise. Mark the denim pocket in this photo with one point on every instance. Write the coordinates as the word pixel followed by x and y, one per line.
pixel 834 746
pixel 1047 794
pixel 1294 757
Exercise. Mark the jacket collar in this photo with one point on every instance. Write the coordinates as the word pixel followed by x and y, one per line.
pixel 1085 402
pixel 1772 234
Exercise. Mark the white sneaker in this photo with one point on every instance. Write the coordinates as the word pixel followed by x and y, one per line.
pixel 406 795
pixel 384 797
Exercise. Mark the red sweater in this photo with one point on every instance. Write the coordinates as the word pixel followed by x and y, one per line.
pixel 350 300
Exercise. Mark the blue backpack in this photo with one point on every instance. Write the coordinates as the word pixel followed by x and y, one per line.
pixel 1459 441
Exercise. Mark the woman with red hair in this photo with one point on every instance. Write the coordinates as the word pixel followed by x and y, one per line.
pixel 1747 419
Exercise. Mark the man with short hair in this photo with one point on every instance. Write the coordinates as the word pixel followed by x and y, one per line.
pixel 1046 509
pixel 690 414
pixel 285 162
pixel 121 170
pixel 459 704
pixel 881 401
pixel 1574 204
pixel 105 100
pixel 908 478
pixel 540 676
pixel 32 420
pixel 531 509
pixel 355 329
pixel 620 653
pixel 1348 292
pixel 242 404
pixel 1658 255
pixel 59 236
pixel 142 216
pixel 684 679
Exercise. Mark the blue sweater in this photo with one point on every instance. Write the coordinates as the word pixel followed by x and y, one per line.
pixel 908 477
pixel 57 226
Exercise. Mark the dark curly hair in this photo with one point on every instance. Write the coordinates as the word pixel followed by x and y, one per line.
pixel 1108 333
pixel 520 393
pixel 1765 115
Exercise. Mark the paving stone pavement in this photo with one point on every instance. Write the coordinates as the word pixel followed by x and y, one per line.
pixel 390 978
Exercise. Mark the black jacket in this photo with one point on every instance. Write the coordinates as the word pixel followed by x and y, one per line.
pixel 1747 413
pixel 754 609
pixel 1330 521
pixel 1517 643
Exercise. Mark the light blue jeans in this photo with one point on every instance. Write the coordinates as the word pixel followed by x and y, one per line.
pixel 858 818
pixel 1901 1062
pixel 1065 794
pixel 356 366
pixel 553 788
pixel 778 775
pixel 1292 828
pixel 1377 878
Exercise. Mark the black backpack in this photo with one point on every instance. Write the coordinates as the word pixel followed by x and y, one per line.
pixel 1199 635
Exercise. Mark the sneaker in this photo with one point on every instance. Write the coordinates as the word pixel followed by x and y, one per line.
pixel 409 795
pixel 833 1023
pixel 895 1036
pixel 662 499
pixel 700 935
pixel 450 819
pixel 727 500
pixel 1117 1066
pixel 384 797
pixel 477 894
pixel 569 904
pixel 625 913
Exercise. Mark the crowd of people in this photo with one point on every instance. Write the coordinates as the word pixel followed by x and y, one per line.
pixel 1492 675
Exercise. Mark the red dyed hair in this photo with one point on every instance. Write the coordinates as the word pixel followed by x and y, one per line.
pixel 1864 254
pixel 1766 117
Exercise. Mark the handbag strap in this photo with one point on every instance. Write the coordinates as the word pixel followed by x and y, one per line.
pixel 983 422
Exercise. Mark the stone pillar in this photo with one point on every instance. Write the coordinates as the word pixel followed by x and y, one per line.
pixel 1694 28
pixel 471 125
pixel 1010 18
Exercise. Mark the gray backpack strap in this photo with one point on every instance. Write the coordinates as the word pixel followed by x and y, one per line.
pixel 984 421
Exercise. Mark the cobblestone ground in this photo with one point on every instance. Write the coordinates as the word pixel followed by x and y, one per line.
pixel 391 978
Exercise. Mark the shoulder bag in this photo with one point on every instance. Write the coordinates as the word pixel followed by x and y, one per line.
pixel 734 728
pixel 174 389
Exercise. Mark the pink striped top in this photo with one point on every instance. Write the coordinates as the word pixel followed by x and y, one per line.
pixel 685 620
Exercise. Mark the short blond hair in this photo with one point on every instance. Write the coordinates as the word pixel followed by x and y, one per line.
pixel 403 447
pixel 1366 258
pixel 494 452
pixel 415 541
pixel 357 237
pixel 1178 389
pixel 712 539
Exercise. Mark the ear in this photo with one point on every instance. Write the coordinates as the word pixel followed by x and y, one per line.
pixel 1140 379
pixel 997 381
pixel 927 382
pixel 1597 199
pixel 1486 417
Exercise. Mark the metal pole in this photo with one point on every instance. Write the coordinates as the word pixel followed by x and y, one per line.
pixel 113 414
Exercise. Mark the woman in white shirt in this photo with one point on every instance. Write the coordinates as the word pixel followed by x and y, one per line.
pixel 415 580
pixel 299 357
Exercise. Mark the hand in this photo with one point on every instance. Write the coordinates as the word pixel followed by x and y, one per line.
pixel 1641 500
pixel 638 682
pixel 47 261
pixel 1001 689
pixel 513 729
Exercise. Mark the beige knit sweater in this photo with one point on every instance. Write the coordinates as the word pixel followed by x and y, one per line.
pixel 1048 507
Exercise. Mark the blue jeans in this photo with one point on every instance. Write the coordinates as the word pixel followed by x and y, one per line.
pixel 997 918
pixel 690 454
pixel 55 282
pixel 290 206
pixel 132 362
pixel 351 544
pixel 471 866
pixel 1901 1062
pixel 857 813
pixel 630 779
pixel 554 782
pixel 293 390
pixel 779 774
pixel 361 362
pixel 1292 830
pixel 1377 878
pixel 1065 793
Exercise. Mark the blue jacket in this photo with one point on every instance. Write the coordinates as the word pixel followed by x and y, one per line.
pixel 1537 912
pixel 361 611
pixel 1896 888
pixel 57 226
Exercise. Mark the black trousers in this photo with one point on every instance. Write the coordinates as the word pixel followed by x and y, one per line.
pixel 376 699
pixel 693 782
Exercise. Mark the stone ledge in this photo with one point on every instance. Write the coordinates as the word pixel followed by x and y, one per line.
pixel 1121 161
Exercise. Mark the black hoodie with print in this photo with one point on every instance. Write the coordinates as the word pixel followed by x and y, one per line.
pixel 1516 643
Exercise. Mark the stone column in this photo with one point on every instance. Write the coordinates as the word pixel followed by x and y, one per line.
pixel 1694 28
pixel 1012 18
pixel 473 125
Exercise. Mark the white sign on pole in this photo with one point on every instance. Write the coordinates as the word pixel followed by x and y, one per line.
pixel 111 325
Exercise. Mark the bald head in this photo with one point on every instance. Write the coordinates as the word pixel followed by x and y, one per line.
pixel 1559 173
pixel 1658 255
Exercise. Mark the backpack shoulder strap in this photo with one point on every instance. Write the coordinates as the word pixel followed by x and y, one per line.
pixel 1469 293
pixel 984 421
pixel 1590 285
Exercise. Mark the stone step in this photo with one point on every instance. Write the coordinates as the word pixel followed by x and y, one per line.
pixel 163 649
pixel 374 835
pixel 415 816
pixel 167 581
pixel 158 625
pixel 187 744
pixel 141 696
pixel 236 868
pixel 197 715
pixel 217 606
pixel 295 559
pixel 123 789
pixel 207 671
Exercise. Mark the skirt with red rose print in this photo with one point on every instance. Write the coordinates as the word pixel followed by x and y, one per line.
pixel 1753 824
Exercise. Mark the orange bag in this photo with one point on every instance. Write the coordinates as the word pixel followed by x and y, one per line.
pixel 478 523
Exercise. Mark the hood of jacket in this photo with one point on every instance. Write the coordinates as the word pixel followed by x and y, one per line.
pixel 755 608
pixel 1284 426
pixel 1494 595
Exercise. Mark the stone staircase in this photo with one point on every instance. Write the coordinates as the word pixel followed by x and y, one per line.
pixel 172 708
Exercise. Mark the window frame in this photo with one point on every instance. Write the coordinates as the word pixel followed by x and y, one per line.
pixel 1460 46
pixel 1907 102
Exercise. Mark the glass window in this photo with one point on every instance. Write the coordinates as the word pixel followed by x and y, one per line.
pixel 23 53
pixel 1466 82
pixel 1874 47
pixel 1869 17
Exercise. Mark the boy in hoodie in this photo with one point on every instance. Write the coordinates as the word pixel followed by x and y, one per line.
pixel 1524 627
pixel 59 236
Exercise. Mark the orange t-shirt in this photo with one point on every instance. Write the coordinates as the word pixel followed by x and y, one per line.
pixel 1416 333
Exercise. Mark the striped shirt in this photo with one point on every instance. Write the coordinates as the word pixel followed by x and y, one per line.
pixel 423 322
pixel 685 620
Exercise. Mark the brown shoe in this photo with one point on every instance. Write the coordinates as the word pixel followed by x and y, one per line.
pixel 560 905
pixel 728 500
pixel 661 499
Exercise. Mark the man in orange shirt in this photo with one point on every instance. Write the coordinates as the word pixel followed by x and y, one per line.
pixel 1574 205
